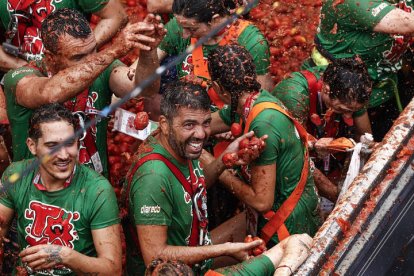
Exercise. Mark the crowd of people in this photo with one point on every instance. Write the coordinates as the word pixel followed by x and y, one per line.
pixel 61 216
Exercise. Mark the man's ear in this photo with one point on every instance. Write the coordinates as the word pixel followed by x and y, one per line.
pixel 164 125
pixel 31 144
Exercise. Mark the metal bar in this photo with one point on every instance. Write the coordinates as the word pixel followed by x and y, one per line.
pixel 330 241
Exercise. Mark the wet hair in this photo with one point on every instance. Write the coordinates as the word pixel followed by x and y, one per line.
pixel 202 10
pixel 348 80
pixel 232 67
pixel 183 94
pixel 61 22
pixel 159 267
pixel 48 113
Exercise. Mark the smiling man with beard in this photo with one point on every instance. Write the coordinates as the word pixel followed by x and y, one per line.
pixel 165 192
pixel 67 214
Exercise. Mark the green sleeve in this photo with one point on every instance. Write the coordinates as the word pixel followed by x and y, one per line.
pixel 274 124
pixel 363 14
pixel 225 114
pixel 14 76
pixel 254 41
pixel 104 208
pixel 294 94
pixel 260 265
pixel 92 6
pixel 172 39
pixel 150 196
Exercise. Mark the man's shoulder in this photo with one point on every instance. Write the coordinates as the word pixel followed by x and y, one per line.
pixel 90 179
pixel 19 172
pixel 20 167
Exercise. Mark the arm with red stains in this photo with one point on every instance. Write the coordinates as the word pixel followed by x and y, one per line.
pixel 362 125
pixel 325 187
pixel 124 79
pixel 34 91
pixel 107 242
pixel 153 245
pixel 260 194
pixel 397 21
pixel 113 18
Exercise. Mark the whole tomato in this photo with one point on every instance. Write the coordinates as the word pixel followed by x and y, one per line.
pixel 141 120
pixel 236 129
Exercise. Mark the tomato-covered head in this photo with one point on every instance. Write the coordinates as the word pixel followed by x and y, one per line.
pixel 67 38
pixel 233 73
pixel 346 86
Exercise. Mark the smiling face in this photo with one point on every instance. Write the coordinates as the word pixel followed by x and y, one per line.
pixel 188 132
pixel 72 51
pixel 60 165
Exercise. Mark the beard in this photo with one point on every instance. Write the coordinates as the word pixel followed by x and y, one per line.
pixel 180 148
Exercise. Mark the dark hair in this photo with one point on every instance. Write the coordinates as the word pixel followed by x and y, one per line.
pixel 60 22
pixel 183 94
pixel 202 10
pixel 53 112
pixel 233 68
pixel 348 80
pixel 168 268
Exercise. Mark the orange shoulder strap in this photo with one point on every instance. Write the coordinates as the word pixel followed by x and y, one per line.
pixel 278 218
pixel 257 108
pixel 234 32
pixel 213 273
pixel 200 64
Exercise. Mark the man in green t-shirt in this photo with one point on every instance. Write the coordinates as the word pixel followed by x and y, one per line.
pixel 73 73
pixel 274 176
pixel 67 214
pixel 165 192
pixel 29 14
pixel 378 32
pixel 196 18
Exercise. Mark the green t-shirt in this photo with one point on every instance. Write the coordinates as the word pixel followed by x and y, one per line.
pixel 32 43
pixel 99 97
pixel 294 93
pixel 346 30
pixel 65 217
pixel 157 198
pixel 260 265
pixel 251 38
pixel 284 147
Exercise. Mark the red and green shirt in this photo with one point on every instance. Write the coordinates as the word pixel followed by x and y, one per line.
pixel 65 217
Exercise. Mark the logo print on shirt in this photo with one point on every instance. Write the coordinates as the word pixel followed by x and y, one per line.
pixel 50 225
